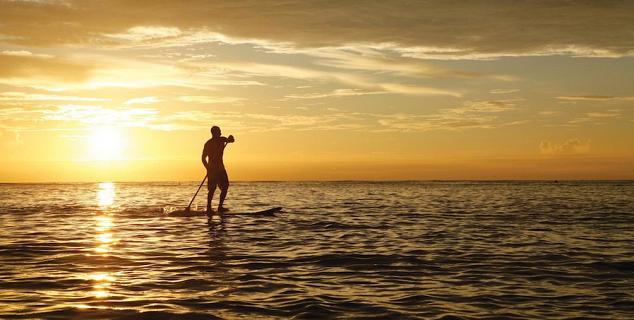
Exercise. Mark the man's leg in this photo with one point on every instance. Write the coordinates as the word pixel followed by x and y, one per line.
pixel 210 196
pixel 223 183
pixel 223 195
pixel 212 182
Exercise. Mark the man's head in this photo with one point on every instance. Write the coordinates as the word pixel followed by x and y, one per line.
pixel 215 131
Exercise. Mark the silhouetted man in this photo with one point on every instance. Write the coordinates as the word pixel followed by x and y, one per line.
pixel 216 173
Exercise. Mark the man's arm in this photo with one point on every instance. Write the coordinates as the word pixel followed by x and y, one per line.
pixel 229 139
pixel 204 158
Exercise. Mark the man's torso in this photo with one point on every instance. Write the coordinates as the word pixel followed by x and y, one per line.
pixel 214 149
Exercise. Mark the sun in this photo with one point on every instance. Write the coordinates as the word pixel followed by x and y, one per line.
pixel 106 143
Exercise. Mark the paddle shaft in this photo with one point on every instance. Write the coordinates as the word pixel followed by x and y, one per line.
pixel 195 194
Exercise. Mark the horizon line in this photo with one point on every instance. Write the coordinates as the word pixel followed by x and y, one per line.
pixel 314 180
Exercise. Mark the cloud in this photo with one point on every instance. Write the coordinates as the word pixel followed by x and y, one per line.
pixel 595 117
pixel 24 65
pixel 579 120
pixel 334 93
pixel 22 96
pixel 146 33
pixel 594 98
pixel 382 59
pixel 440 121
pixel 18 114
pixel 23 53
pixel 209 99
pixel 503 91
pixel 474 115
pixel 521 51
pixel 489 106
pixel 142 100
pixel 417 90
pixel 92 115
pixel 281 71
pixel 568 147
pixel 613 113
pixel 74 117
pixel 430 29
pixel 302 73
pixel 113 71
pixel 548 113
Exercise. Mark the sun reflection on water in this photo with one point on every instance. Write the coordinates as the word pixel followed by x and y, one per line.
pixel 105 194
pixel 104 238
pixel 104 223
pixel 101 284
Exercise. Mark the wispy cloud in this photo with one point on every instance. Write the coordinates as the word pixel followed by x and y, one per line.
pixel 382 59
pixel 488 106
pixel 334 93
pixel 594 98
pixel 303 73
pixel 568 147
pixel 473 115
pixel 24 53
pixel 210 99
pixel 503 91
pixel 98 71
pixel 23 65
pixel 23 96
pixel 146 33
pixel 92 115
pixel 417 90
pixel 612 113
pixel 282 71
pixel 547 113
pixel 142 100
pixel 73 116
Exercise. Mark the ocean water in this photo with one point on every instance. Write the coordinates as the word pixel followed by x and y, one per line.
pixel 399 250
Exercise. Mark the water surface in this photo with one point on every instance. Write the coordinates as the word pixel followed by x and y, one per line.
pixel 430 250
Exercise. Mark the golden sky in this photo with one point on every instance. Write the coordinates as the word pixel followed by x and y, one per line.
pixel 127 90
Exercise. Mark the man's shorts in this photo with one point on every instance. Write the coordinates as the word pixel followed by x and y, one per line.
pixel 217 177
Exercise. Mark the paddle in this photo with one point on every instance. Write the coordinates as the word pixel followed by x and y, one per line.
pixel 195 194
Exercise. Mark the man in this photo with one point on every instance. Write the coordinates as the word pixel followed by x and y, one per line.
pixel 216 173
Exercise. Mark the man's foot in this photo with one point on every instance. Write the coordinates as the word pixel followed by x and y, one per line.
pixel 209 213
pixel 222 210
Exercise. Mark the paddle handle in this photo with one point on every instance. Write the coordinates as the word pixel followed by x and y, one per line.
pixel 195 194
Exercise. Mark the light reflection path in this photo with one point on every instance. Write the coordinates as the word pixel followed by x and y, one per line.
pixel 104 238
pixel 105 194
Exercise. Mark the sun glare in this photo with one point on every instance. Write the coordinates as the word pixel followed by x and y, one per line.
pixel 106 143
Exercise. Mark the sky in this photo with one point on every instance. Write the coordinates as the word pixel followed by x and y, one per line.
pixel 127 90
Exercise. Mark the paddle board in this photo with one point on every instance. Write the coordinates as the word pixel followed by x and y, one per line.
pixel 193 213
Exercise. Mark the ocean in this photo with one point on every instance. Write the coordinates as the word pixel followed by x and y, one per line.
pixel 351 250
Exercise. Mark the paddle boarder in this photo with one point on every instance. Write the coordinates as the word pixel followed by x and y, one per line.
pixel 216 173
